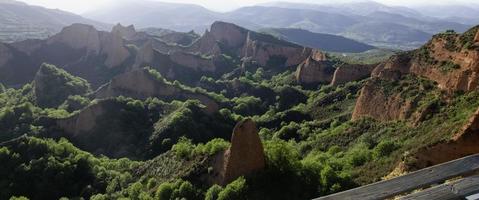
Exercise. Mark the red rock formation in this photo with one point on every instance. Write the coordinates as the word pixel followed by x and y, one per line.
pixel 113 46
pixel 463 143
pixel 313 71
pixel 145 54
pixel 229 34
pixel 245 156
pixel 445 60
pixel 82 122
pixel 374 103
pixel 141 84
pixel 247 44
pixel 126 32
pixel 80 36
pixel 443 51
pixel 192 61
pixel 207 45
pixel 348 73
pixel 261 51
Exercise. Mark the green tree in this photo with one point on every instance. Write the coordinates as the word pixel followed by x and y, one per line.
pixel 213 192
pixel 236 190
pixel 164 191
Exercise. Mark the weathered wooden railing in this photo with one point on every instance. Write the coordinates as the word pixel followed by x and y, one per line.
pixel 457 189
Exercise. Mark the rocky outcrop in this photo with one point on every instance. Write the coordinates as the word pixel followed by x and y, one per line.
pixel 348 73
pixel 78 36
pixel 126 32
pixel 145 54
pixel 141 84
pixel 375 103
pixel 463 143
pixel 448 59
pixel 264 49
pixel 245 156
pixel 231 35
pixel 393 68
pixel 315 69
pixel 206 45
pixel 83 122
pixel 196 62
pixel 445 59
pixel 5 54
pixel 113 46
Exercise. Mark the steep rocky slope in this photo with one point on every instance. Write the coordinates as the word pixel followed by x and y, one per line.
pixel 142 84
pixel 449 60
pixel 97 56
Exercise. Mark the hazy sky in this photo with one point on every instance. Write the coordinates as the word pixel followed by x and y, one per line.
pixel 80 6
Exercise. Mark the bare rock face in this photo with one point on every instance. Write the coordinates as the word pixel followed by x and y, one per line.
pixel 462 73
pixel 229 34
pixel 82 122
pixel 78 36
pixel 261 51
pixel 114 47
pixel 206 45
pixel 5 54
pixel 141 84
pixel 192 61
pixel 318 55
pixel 348 73
pixel 462 144
pixel 393 68
pixel 374 103
pixel 246 154
pixel 444 60
pixel 138 84
pixel 313 71
pixel 126 32
pixel 145 54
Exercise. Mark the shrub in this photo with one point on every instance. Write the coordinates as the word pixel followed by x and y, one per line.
pixel 236 190
pixel 212 147
pixel 385 148
pixel 184 148
pixel 164 191
pixel 213 192
pixel 359 156
pixel 18 198
pixel 187 190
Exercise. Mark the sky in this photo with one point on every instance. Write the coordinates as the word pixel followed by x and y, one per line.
pixel 82 6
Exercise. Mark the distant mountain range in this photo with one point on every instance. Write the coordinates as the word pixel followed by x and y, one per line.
pixel 325 42
pixel 365 21
pixel 19 21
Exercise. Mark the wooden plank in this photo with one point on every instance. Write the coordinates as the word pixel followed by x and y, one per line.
pixel 418 179
pixel 448 191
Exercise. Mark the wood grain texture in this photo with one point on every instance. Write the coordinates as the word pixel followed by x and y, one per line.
pixel 419 179
pixel 449 191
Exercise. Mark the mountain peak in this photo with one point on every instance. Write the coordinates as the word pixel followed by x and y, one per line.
pixel 124 31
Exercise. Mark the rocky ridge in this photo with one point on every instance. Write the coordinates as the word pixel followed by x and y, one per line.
pixel 141 84
pixel 449 59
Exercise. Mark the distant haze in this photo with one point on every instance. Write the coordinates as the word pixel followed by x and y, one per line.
pixel 81 6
